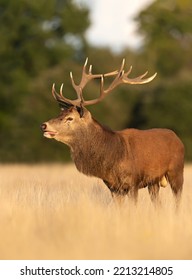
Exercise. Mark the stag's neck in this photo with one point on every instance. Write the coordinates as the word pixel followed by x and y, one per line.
pixel 96 150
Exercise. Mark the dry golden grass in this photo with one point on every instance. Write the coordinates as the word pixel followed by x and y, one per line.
pixel 54 212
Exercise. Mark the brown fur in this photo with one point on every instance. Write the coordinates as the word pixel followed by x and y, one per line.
pixel 125 160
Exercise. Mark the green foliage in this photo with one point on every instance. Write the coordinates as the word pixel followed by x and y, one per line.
pixel 42 41
pixel 34 38
pixel 167 27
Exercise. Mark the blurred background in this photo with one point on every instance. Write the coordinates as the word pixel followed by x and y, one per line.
pixel 42 41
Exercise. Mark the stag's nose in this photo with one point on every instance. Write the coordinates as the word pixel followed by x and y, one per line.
pixel 43 126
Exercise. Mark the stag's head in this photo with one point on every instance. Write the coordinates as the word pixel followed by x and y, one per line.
pixel 74 116
pixel 69 122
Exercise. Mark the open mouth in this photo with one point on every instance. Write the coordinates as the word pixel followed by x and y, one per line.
pixel 49 134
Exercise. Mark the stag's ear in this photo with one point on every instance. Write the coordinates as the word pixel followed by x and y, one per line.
pixel 80 110
pixel 64 106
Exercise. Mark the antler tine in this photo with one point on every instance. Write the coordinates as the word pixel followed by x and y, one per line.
pixel 72 80
pixel 76 87
pixel 129 71
pixel 86 61
pixel 90 69
pixel 122 66
pixel 61 91
pixel 54 93
pixel 138 80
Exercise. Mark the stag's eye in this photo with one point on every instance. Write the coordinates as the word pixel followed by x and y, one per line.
pixel 69 119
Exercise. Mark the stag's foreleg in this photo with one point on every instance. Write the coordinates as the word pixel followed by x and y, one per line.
pixel 154 193
pixel 118 199
pixel 133 194
pixel 120 192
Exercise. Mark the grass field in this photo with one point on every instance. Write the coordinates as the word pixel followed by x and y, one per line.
pixel 54 212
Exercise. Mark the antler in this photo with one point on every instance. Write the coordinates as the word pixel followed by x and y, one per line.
pixel 121 78
pixel 86 77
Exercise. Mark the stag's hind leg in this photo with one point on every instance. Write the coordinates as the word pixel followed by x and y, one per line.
pixel 154 193
pixel 176 183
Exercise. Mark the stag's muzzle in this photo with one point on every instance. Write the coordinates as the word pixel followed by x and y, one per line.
pixel 47 132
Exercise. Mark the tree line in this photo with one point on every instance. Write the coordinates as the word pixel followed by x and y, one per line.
pixel 42 41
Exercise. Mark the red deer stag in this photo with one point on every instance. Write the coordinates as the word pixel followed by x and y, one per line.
pixel 125 160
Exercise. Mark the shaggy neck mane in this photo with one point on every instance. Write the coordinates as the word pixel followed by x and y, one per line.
pixel 93 150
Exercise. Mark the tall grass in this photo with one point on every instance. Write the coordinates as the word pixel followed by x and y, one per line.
pixel 54 212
